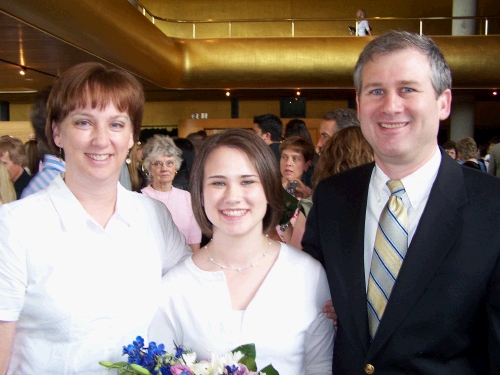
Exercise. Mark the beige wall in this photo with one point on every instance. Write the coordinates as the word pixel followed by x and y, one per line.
pixel 169 113
pixel 19 112
pixel 18 129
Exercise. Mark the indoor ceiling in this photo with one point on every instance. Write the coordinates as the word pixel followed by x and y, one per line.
pixel 45 57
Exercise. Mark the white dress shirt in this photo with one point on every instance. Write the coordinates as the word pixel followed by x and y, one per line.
pixel 79 292
pixel 417 185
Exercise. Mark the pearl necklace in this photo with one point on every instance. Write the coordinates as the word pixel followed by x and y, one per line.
pixel 239 269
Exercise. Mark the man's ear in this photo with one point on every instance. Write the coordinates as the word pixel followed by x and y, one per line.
pixel 444 104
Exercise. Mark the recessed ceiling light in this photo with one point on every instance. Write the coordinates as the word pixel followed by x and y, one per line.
pixel 22 71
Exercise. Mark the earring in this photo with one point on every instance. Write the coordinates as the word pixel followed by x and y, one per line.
pixel 60 154
pixel 127 160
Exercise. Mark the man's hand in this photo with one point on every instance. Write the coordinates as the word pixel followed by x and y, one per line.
pixel 330 313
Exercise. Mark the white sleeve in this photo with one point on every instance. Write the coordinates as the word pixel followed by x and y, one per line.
pixel 320 334
pixel 163 327
pixel 175 247
pixel 13 271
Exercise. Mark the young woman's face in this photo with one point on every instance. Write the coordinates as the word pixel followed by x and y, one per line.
pixel 233 194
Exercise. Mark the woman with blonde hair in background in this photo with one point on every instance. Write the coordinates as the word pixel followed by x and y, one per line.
pixel 346 149
pixel 162 158
pixel 7 191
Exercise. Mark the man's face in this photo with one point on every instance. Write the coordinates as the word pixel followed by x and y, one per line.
pixel 451 152
pixel 399 110
pixel 326 130
pixel 12 168
pixel 264 136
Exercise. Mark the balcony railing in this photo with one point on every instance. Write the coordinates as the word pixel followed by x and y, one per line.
pixel 480 25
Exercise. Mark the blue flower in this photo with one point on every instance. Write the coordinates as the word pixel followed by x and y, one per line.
pixel 231 369
pixel 178 350
pixel 134 354
pixel 139 342
pixel 154 350
pixel 165 370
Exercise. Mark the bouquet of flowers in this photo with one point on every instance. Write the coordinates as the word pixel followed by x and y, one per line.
pixel 154 360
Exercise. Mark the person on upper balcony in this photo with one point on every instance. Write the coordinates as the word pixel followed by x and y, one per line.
pixel 363 27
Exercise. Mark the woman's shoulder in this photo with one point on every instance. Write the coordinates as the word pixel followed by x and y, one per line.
pixel 182 275
pixel 181 193
pixel 298 258
pixel 30 205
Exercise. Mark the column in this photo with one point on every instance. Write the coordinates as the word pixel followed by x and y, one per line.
pixel 462 109
pixel 463 8
pixel 462 117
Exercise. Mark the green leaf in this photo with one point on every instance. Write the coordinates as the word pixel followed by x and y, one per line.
pixel 139 369
pixel 269 370
pixel 113 365
pixel 249 362
pixel 247 350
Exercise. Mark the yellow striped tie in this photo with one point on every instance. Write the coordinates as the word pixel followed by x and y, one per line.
pixel 391 243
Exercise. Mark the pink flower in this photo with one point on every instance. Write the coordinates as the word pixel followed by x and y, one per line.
pixel 242 370
pixel 180 370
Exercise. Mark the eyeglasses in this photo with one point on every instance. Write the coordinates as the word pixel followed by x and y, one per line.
pixel 157 164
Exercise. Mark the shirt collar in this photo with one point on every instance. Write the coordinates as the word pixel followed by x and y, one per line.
pixel 417 185
pixel 72 214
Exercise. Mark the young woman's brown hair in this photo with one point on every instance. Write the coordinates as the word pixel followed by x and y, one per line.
pixel 262 158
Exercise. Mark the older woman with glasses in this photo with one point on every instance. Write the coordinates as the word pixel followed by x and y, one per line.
pixel 162 158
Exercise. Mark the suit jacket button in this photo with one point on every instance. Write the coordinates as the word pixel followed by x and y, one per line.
pixel 369 369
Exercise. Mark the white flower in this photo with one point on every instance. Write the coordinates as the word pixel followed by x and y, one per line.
pixel 216 364
pixel 203 368
pixel 189 358
pixel 231 358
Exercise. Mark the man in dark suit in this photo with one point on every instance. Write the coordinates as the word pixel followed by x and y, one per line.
pixel 442 310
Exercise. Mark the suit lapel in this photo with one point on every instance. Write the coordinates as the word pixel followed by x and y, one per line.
pixel 436 232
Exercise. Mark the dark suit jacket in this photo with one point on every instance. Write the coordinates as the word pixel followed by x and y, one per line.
pixel 443 316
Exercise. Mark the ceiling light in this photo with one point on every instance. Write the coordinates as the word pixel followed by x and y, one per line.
pixel 495 93
pixel 22 71
pixel 298 93
pixel 228 93
pixel 17 91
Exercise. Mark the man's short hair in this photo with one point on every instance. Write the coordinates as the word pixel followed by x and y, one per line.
pixel 15 148
pixel 343 117
pixel 467 148
pixel 401 40
pixel 449 145
pixel 271 124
